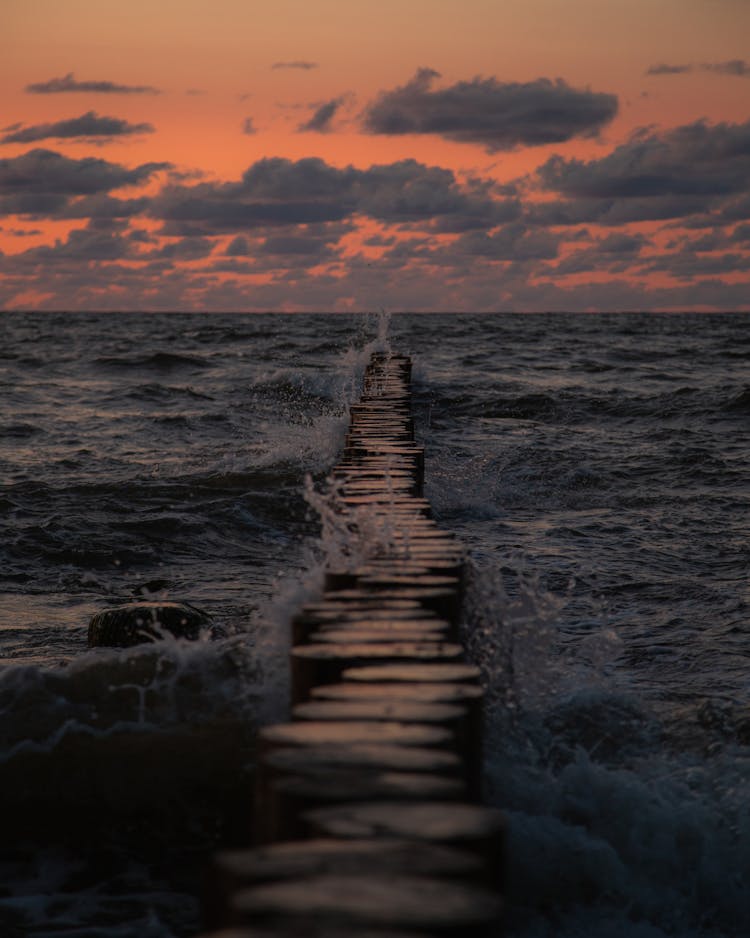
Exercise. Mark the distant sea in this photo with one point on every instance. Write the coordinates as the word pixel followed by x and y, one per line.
pixel 597 467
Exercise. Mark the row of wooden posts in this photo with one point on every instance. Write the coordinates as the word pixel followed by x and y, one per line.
pixel 368 814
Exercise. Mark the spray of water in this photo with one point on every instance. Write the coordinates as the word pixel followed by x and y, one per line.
pixel 509 628
pixel 343 540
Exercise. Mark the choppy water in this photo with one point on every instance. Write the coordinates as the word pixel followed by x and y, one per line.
pixel 597 468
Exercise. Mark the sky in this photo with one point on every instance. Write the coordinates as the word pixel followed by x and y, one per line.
pixel 358 155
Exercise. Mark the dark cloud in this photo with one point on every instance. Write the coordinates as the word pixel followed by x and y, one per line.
pixel 737 68
pixel 282 180
pixel 320 122
pixel 414 279
pixel 689 266
pixel 81 246
pixel 693 169
pixel 24 232
pixel 302 247
pixel 277 192
pixel 497 115
pixel 294 244
pixel 184 249
pixel 514 242
pixel 68 83
pixel 621 244
pixel 248 127
pixel 102 206
pixel 614 254
pixel 280 192
pixel 616 211
pixel 664 69
pixel 409 192
pixel 47 171
pixel 715 240
pixel 44 183
pixel 736 209
pixel 696 159
pixel 444 242
pixel 296 63
pixel 87 126
pixel 238 247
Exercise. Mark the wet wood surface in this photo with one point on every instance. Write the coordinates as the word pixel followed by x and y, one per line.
pixel 368 816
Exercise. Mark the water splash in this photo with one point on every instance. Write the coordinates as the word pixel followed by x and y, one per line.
pixel 382 341
pixel 509 627
pixel 610 833
pixel 342 541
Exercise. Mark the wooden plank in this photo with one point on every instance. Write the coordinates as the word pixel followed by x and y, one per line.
pixel 368 797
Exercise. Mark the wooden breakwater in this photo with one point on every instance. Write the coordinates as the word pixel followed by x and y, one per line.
pixel 368 818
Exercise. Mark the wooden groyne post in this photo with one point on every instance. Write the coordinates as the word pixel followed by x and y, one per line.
pixel 368 814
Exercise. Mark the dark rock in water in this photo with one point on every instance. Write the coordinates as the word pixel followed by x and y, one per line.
pixel 123 626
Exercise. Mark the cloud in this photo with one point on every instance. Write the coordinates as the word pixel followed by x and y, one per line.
pixel 24 232
pixel 296 63
pixel 320 122
pixel 45 183
pixel 103 206
pixel 741 235
pixel 296 251
pixel 411 285
pixel 409 191
pixel 737 68
pixel 615 253
pixel 248 127
pixel 307 233
pixel 497 115
pixel 280 192
pixel 81 245
pixel 238 247
pixel 229 207
pixel 695 168
pixel 87 126
pixel 664 69
pixel 514 242
pixel 184 249
pixel 68 83
pixel 687 265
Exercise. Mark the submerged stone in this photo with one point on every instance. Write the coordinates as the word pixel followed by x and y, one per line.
pixel 137 622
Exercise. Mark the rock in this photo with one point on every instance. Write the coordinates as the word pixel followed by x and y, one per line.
pixel 124 626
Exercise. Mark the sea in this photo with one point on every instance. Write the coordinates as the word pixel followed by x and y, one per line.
pixel 596 468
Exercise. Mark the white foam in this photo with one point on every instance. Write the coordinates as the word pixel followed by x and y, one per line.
pixel 611 833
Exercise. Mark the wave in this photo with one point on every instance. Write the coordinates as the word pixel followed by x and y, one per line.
pixel 161 361
pixel 615 852
pixel 617 825
pixel 161 392
pixel 19 431
pixel 740 403
pixel 126 768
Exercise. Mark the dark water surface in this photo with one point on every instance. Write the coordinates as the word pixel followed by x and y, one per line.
pixel 596 467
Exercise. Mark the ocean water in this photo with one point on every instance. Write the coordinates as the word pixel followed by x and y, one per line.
pixel 595 466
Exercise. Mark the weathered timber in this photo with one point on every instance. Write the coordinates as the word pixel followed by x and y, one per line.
pixel 367 900
pixel 367 805
pixel 325 662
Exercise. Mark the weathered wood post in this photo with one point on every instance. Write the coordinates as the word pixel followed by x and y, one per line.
pixel 368 806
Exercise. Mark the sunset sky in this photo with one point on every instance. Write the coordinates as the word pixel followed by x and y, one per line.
pixel 516 155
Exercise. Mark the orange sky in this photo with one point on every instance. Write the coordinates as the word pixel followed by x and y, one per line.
pixel 682 198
